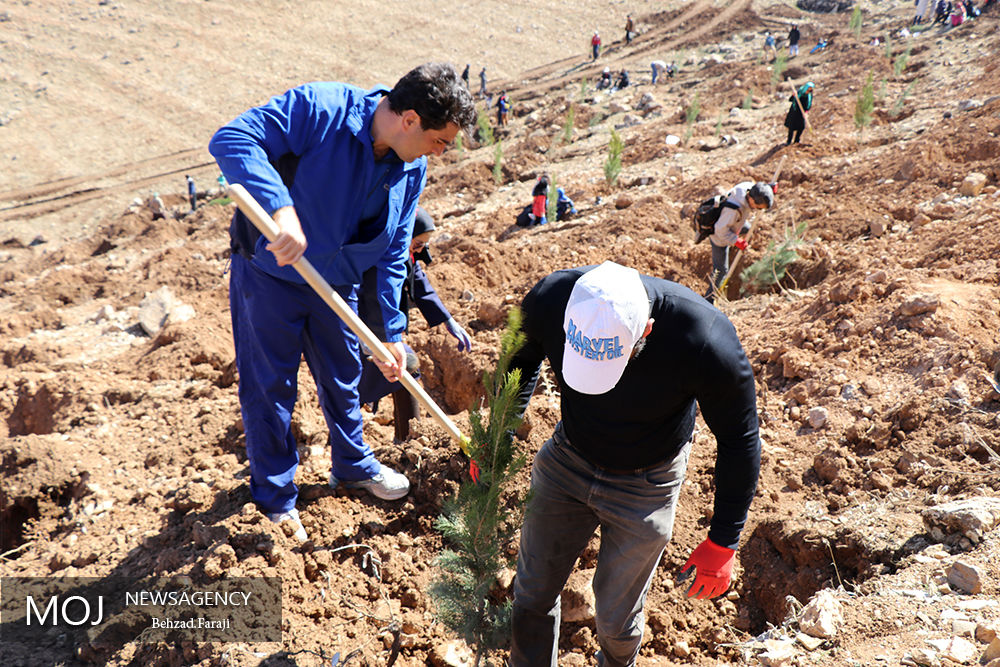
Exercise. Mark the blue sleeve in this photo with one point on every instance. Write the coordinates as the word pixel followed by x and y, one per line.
pixel 289 123
pixel 391 267
pixel 426 298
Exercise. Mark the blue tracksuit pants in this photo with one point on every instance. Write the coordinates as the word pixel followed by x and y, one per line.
pixel 275 324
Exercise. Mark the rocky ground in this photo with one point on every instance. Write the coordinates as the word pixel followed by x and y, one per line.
pixel 879 501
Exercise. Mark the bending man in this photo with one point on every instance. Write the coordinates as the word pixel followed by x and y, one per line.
pixel 632 354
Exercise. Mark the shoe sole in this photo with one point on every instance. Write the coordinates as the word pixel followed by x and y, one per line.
pixel 394 495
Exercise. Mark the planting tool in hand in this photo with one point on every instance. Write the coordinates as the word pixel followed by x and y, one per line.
pixel 798 103
pixel 259 217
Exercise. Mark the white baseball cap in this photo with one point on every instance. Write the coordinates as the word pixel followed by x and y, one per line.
pixel 605 317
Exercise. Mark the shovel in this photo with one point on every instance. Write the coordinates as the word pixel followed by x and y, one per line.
pixel 262 221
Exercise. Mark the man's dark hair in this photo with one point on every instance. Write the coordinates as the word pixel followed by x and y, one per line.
pixel 438 95
pixel 762 193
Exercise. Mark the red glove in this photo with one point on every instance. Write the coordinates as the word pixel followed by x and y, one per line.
pixel 474 470
pixel 774 187
pixel 741 244
pixel 714 565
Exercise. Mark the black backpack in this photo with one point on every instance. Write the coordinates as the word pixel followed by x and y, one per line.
pixel 707 215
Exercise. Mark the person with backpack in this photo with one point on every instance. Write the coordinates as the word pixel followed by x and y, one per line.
pixel 417 291
pixel 634 356
pixel 795 119
pixel 503 106
pixel 732 218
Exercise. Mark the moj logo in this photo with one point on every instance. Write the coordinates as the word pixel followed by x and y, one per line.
pixel 74 610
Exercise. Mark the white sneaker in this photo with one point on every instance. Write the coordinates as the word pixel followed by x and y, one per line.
pixel 293 516
pixel 387 484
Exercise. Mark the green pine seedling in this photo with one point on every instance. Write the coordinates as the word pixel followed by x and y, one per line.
pixel 498 163
pixel 864 106
pixel 773 264
pixel 613 165
pixel 480 522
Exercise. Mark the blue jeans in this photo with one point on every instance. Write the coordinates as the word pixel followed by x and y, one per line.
pixel 570 498
pixel 275 324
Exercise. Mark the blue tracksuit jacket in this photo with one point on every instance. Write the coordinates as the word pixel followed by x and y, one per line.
pixel 327 126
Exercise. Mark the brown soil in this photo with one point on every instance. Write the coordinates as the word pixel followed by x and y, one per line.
pixel 122 454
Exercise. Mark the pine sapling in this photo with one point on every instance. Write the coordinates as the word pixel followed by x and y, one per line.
pixel 897 107
pixel 551 201
pixel 899 63
pixel 856 21
pixel 864 106
pixel 498 163
pixel 613 165
pixel 484 129
pixel 779 67
pixel 774 262
pixel 691 115
pixel 481 521
pixel 569 123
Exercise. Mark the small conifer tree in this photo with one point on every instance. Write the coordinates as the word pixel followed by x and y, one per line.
pixel 856 21
pixel 613 165
pixel 779 67
pixel 897 107
pixel 498 163
pixel 484 129
pixel 552 201
pixel 748 100
pixel 567 135
pixel 481 521
pixel 864 106
pixel 691 115
pixel 899 62
pixel 773 264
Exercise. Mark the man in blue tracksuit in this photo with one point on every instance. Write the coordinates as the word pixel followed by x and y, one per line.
pixel 340 170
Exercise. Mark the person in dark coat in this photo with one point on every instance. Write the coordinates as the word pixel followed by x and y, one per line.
pixel 635 357
pixel 795 119
pixel 793 41
pixel 192 192
pixel 417 291
pixel 623 79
